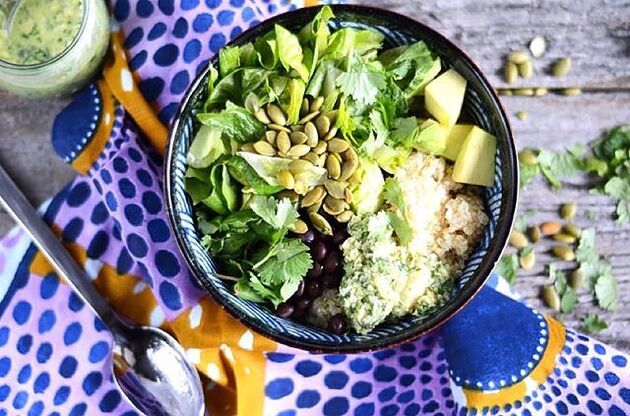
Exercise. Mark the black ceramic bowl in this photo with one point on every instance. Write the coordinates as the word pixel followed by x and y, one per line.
pixel 481 105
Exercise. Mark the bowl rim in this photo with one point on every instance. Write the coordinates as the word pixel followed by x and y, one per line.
pixel 485 268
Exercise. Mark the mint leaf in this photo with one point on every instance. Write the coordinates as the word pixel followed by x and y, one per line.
pixel 361 83
pixel 508 266
pixel 593 324
pixel 277 214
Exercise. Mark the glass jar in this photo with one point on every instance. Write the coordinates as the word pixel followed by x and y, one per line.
pixel 69 70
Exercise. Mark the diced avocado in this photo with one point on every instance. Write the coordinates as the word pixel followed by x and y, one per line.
pixel 368 196
pixel 475 161
pixel 431 137
pixel 443 97
pixel 205 148
pixel 455 139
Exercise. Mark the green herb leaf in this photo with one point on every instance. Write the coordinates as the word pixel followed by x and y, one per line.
pixel 398 218
pixel 568 300
pixel 286 266
pixel 245 174
pixel 556 165
pixel 527 174
pixel 508 267
pixel 593 324
pixel 279 215
pixel 413 67
pixel 404 133
pixel 362 83
pixel 606 291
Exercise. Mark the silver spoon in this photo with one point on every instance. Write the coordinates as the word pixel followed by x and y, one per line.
pixel 149 365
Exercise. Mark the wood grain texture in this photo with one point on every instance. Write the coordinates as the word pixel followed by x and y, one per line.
pixel 596 34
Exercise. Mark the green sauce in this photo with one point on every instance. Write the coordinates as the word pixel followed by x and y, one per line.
pixel 40 30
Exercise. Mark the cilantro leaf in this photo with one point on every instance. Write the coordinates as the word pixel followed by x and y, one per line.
pixel 285 267
pixel 508 266
pixel 398 217
pixel 593 324
pixel 277 214
pixel 557 165
pixel 568 300
pixel 606 291
pixel 362 83
pixel 527 173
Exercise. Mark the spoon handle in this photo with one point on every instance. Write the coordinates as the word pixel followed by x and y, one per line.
pixel 24 214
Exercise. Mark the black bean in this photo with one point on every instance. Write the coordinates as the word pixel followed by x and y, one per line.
pixel 340 236
pixel 332 262
pixel 337 324
pixel 300 290
pixel 298 314
pixel 285 310
pixel 319 250
pixel 302 303
pixel 308 237
pixel 314 289
pixel 331 281
pixel 316 271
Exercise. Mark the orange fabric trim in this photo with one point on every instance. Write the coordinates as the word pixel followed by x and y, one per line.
pixel 557 339
pixel 90 153
pixel 309 3
pixel 121 83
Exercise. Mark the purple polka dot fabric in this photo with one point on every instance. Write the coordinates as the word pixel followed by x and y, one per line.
pixel 55 356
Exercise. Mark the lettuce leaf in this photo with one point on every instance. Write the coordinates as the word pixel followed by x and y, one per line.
pixel 289 52
pixel 268 167
pixel 315 35
pixel 229 59
pixel 293 102
pixel 413 67
pixel 205 148
pixel 235 123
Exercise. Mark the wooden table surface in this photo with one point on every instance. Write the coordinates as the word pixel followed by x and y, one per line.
pixel 595 34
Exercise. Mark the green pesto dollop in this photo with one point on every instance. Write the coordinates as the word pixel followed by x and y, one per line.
pixel 40 30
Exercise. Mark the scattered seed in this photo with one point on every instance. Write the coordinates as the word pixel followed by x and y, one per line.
pixel 248 147
pixel 338 145
pixel 286 179
pixel 300 187
pixel 347 169
pixel 526 69
pixel 333 166
pixel 504 91
pixel 270 136
pixel 283 154
pixel 311 157
pixel 296 127
pixel 534 234
pixel 261 115
pixel 563 252
pixel 334 206
pixel 540 91
pixel 312 196
pixel 264 148
pixel 517 57
pixel 336 188
pixel 317 104
pixel 276 114
pixel 571 91
pixel 521 115
pixel 278 127
pixel 321 161
pixel 323 125
pixel 344 216
pixel 320 223
pixel 351 155
pixel 551 298
pixel 298 150
pixel 561 67
pixel 287 193
pixel 550 227
pixel 331 133
pixel 527 260
pixel 298 137
pixel 315 207
pixel 564 238
pixel 576 279
pixel 568 210
pixel 523 91
pixel 510 72
pixel 321 148
pixel 527 157
pixel 311 133
pixel 537 46
pixel 308 117
pixel 518 239
pixel 283 142
pixel 573 230
pixel 299 226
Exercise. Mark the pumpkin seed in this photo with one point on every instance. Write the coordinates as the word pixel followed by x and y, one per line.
pixel 573 230
pixel 311 133
pixel 248 147
pixel 298 150
pixel 563 252
pixel 521 115
pixel 526 69
pixel 564 238
pixel 334 206
pixel 355 178
pixel 336 188
pixel 264 148
pixel 351 155
pixel 568 210
pixel 537 46
pixel 317 104
pixel 286 179
pixel 332 115
pixel 287 193
pixel 297 127
pixel 308 117
pixel 283 143
pixel 517 57
pixel 270 136
pixel 561 67
pixel 510 72
pixel 319 222
pixel 323 125
pixel 540 91
pixel 550 227
pixel 338 145
pixel 331 133
pixel 299 226
pixel 534 234
pixel 321 148
pixel 527 157
pixel 576 279
pixel 261 115
pixel 315 207
pixel 304 109
pixel 278 127
pixel 344 216
pixel 347 169
pixel 300 187
pixel 551 298
pixel 518 239
pixel 311 157
pixel 276 114
pixel 571 91
pixel 348 195
pixel 300 166
pixel 527 260
pixel 504 91
pixel 333 166
pixel 283 154
pixel 523 91
pixel 297 137
pixel 312 196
